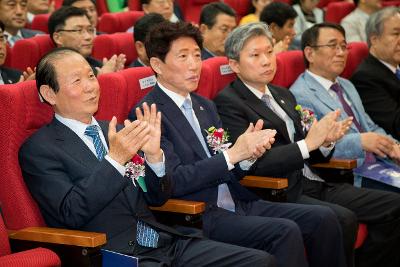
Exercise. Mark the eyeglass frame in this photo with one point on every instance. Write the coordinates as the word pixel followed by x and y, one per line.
pixel 337 46
pixel 79 31
pixel 5 38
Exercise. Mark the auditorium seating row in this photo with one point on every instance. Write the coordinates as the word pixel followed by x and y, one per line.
pixel 21 113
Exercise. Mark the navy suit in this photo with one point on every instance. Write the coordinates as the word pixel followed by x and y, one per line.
pixel 10 75
pixel 205 54
pixel 77 191
pixel 196 177
pixel 136 63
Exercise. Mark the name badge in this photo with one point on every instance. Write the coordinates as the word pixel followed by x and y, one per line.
pixel 147 82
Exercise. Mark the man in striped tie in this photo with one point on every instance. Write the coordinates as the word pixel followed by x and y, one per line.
pixel 74 168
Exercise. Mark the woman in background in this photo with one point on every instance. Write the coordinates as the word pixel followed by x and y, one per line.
pixel 255 10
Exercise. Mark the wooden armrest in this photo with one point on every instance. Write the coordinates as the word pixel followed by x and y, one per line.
pixel 343 164
pixel 264 182
pixel 182 206
pixel 59 236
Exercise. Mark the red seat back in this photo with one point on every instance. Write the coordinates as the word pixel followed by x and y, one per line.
pixel 324 3
pixel 4 244
pixel 241 7
pixel 139 81
pixel 290 65
pixel 336 11
pixel 390 3
pixel 192 9
pixel 134 5
pixel 40 22
pixel 118 22
pixel 101 6
pixel 27 52
pixel 357 52
pixel 107 45
pixel 21 114
pixel 222 75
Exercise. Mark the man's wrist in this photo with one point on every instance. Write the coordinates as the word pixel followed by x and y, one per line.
pixel 155 157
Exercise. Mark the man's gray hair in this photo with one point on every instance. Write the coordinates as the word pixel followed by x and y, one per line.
pixel 375 23
pixel 239 36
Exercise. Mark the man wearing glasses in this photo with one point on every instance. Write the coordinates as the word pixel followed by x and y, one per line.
pixel 13 13
pixel 217 20
pixel 321 90
pixel 70 27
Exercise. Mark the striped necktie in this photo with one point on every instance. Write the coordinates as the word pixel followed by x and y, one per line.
pixel 93 132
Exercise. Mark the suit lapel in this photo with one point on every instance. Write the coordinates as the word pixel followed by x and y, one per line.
pixel 73 145
pixel 204 122
pixel 289 110
pixel 169 110
pixel 321 93
pixel 260 108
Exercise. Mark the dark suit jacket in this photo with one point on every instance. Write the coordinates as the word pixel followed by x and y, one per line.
pixel 135 64
pixel 10 75
pixel 238 106
pixel 205 54
pixel 94 63
pixel 379 89
pixel 74 190
pixel 28 33
pixel 195 176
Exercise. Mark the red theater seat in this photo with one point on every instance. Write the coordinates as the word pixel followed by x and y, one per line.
pixel 38 257
pixel 102 7
pixel 357 52
pixel 290 65
pixel 40 23
pixel 118 22
pixel 27 52
pixel 107 45
pixel 241 7
pixel 192 8
pixel 336 11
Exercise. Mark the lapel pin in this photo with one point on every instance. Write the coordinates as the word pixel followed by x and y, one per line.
pixel 201 108
pixel 283 102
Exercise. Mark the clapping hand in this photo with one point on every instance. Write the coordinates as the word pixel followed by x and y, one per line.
pixel 153 118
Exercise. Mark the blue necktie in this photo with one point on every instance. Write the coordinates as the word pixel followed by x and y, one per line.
pixel 93 132
pixel 146 236
pixel 398 73
pixel 225 200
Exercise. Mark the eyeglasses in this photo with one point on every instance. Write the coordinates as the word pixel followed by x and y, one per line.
pixel 82 31
pixel 342 47
pixel 3 38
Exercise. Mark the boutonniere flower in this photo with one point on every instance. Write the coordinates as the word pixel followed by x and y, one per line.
pixel 135 170
pixel 217 139
pixel 307 117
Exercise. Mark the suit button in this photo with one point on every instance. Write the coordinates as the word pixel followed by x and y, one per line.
pixel 131 243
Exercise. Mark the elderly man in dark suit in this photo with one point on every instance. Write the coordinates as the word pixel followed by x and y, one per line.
pixel 377 78
pixel 209 171
pixel 75 169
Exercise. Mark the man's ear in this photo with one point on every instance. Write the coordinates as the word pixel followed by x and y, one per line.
pixel 57 38
pixel 48 94
pixel 309 54
pixel 234 64
pixel 373 39
pixel 203 28
pixel 145 8
pixel 155 64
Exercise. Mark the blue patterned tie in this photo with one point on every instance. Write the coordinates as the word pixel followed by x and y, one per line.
pixel 398 73
pixel 146 236
pixel 225 200
pixel 93 132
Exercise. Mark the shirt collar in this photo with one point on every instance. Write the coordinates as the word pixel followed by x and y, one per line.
pixel 76 126
pixel 257 93
pixel 9 35
pixel 324 82
pixel 177 98
pixel 392 69
pixel 361 13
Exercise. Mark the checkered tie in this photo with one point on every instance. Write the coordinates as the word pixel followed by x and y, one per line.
pixel 146 236
pixel 93 132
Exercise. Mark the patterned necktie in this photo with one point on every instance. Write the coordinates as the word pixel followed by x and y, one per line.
pixel 225 200
pixel 14 39
pixel 369 157
pixel 339 92
pixel 398 73
pixel 93 132
pixel 146 236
